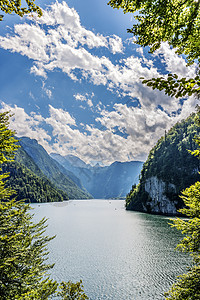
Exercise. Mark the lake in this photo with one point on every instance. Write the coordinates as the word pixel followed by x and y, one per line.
pixel 119 254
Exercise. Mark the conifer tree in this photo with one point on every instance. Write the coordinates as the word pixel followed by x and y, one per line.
pixel 188 285
pixel 72 291
pixel 23 245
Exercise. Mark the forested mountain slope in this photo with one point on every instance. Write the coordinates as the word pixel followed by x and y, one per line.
pixel 50 169
pixel 170 168
pixel 29 186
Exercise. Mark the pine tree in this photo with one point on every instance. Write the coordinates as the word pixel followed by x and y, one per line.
pixel 23 254
pixel 72 291
pixel 23 245
pixel 188 285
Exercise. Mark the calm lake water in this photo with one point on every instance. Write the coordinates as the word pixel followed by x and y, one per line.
pixel 119 255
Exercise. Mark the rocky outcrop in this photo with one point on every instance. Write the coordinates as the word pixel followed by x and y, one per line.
pixel 158 202
pixel 169 169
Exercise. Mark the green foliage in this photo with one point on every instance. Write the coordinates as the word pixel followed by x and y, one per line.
pixel 8 147
pixel 188 285
pixel 170 161
pixel 23 254
pixel 175 87
pixel 177 22
pixel 8 144
pixel 10 6
pixel 191 227
pixel 35 158
pixel 72 291
pixel 30 187
pixel 23 245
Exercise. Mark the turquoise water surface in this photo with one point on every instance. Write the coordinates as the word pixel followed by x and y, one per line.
pixel 119 255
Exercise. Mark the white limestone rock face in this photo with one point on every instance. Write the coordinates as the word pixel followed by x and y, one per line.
pixel 159 202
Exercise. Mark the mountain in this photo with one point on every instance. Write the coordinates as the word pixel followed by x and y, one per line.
pixel 103 182
pixel 30 187
pixel 76 161
pixel 50 168
pixel 115 180
pixel 169 169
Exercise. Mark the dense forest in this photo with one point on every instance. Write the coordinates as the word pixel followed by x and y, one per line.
pixel 29 186
pixel 169 160
pixel 33 185
pixel 35 158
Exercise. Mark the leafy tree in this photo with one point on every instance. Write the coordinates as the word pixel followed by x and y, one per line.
pixel 176 22
pixel 10 6
pixel 175 86
pixel 8 147
pixel 8 144
pixel 187 288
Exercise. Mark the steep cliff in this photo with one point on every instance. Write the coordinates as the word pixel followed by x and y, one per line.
pixel 158 201
pixel 169 169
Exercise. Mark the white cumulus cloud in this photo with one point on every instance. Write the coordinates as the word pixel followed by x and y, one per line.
pixel 58 40
pixel 85 98
pixel 125 133
pixel 29 125
pixel 64 44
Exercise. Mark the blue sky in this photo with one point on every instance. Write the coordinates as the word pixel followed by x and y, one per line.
pixel 72 80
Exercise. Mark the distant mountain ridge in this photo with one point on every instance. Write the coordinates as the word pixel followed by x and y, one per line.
pixel 44 164
pixel 76 161
pixel 103 182
pixel 72 177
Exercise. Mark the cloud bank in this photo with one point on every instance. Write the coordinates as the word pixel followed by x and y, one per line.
pixel 123 134
pixel 58 41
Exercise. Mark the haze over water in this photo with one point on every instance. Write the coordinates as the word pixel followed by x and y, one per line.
pixel 119 255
